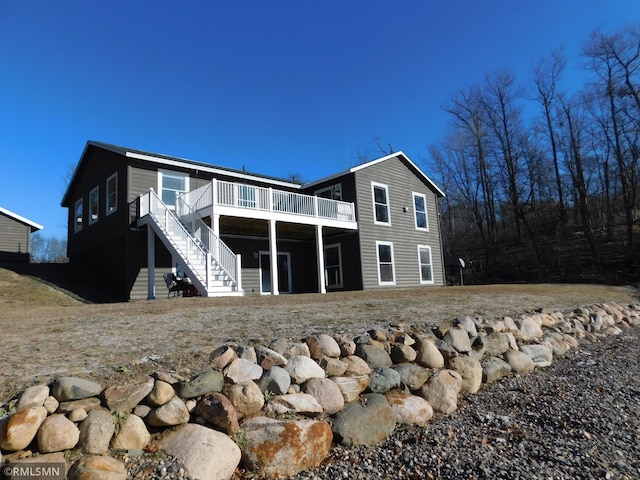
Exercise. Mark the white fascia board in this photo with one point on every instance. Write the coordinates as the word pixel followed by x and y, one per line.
pixel 397 154
pixel 15 216
pixel 214 170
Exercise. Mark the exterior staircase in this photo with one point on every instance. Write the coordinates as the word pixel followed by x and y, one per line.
pixel 209 263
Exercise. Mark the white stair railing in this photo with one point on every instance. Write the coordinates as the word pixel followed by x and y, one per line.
pixel 192 253
pixel 223 256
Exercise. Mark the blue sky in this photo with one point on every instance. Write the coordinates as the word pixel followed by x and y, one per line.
pixel 279 87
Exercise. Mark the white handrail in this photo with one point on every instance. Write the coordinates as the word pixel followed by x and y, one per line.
pixel 192 253
pixel 221 253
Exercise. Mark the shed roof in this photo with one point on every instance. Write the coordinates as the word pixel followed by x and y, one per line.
pixel 33 225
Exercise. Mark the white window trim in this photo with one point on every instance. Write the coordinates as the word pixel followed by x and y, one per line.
pixel 415 212
pixel 77 221
pixel 393 263
pixel 162 172
pixel 425 282
pixel 95 190
pixel 341 284
pixel 373 202
pixel 107 210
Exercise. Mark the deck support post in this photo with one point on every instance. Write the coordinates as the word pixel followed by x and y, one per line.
pixel 320 256
pixel 273 257
pixel 151 263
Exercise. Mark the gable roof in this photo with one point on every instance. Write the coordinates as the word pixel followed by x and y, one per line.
pixel 400 155
pixel 171 161
pixel 34 226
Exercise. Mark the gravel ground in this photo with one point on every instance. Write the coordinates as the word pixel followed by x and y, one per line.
pixel 577 419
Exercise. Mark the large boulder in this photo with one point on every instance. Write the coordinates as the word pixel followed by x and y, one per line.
pixel 383 379
pixel 246 398
pixel 428 354
pixel 442 391
pixel 519 362
pixel 32 397
pixel 409 409
pixel 132 435
pixel 174 412
pixel 98 467
pixel 365 424
pixel 542 355
pixel 57 433
pixel 18 430
pixel 203 382
pixel 373 355
pixel 124 398
pixel 96 432
pixel 494 368
pixel 218 411
pixel 352 387
pixel 327 393
pixel 206 454
pixel 470 370
pixel 74 388
pixel 284 447
pixel 322 346
pixel 302 368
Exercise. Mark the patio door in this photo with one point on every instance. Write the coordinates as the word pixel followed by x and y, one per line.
pixel 284 272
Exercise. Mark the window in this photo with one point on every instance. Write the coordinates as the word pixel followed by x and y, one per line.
pixel 94 196
pixel 333 192
pixel 420 209
pixel 386 270
pixel 380 204
pixel 333 266
pixel 77 216
pixel 170 184
pixel 111 199
pixel 424 260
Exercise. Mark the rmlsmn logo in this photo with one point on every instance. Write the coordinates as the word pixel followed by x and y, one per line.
pixel 32 471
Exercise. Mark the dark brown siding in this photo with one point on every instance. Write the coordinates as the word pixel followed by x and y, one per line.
pixel 401 182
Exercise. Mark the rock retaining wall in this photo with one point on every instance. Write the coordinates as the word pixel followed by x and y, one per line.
pixel 277 409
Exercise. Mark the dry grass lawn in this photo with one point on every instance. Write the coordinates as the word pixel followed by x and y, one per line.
pixel 46 333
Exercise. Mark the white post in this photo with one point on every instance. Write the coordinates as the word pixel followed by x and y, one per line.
pixel 215 226
pixel 238 273
pixel 270 200
pixel 214 195
pixel 208 278
pixel 151 264
pixel 320 247
pixel 273 254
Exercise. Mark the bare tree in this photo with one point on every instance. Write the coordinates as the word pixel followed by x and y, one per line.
pixel 546 75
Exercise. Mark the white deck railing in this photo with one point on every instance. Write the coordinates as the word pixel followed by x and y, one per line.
pixel 252 197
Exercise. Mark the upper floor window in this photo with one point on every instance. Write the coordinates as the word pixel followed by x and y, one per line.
pixel 77 216
pixel 420 209
pixel 380 203
pixel 94 196
pixel 170 184
pixel 111 198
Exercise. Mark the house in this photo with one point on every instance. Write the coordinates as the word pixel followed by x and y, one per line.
pixel 15 236
pixel 134 216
